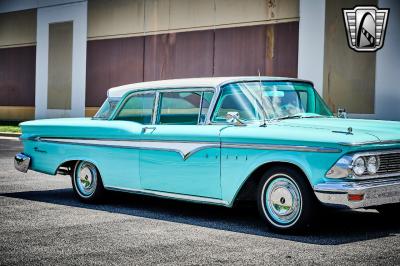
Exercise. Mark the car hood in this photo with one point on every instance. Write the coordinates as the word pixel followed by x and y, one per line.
pixel 378 130
pixel 324 132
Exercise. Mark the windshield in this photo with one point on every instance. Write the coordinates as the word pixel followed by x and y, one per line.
pixel 106 109
pixel 254 101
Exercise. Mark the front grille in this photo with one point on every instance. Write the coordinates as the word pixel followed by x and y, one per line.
pixel 389 163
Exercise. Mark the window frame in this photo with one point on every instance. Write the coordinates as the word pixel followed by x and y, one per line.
pixel 190 89
pixel 157 102
pixel 119 108
pixel 219 90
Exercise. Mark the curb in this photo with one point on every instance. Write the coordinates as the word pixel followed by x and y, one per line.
pixel 9 134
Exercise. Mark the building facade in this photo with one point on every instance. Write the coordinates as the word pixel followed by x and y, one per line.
pixel 59 57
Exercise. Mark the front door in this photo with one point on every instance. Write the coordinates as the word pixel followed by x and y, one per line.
pixel 182 155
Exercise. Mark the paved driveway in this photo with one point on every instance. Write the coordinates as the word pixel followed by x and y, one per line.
pixel 42 223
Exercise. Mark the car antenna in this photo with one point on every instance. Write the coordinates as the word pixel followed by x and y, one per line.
pixel 261 97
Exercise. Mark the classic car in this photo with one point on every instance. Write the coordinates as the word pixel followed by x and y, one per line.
pixel 220 140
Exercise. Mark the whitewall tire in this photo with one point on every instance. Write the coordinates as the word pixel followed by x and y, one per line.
pixel 285 200
pixel 86 182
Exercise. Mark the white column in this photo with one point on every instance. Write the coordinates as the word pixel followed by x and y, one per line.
pixel 311 42
pixel 387 79
pixel 76 12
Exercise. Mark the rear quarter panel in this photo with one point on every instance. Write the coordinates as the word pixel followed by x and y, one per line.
pixel 117 166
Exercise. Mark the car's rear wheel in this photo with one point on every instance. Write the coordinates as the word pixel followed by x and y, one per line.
pixel 285 200
pixel 86 182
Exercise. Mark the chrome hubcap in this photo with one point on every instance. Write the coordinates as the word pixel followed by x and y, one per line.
pixel 283 200
pixel 86 179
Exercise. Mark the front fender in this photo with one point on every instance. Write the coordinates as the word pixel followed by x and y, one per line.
pixel 237 165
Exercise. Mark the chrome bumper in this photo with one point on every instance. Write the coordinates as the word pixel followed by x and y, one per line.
pixel 359 194
pixel 21 162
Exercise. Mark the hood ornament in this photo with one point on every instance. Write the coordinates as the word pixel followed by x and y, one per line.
pixel 349 130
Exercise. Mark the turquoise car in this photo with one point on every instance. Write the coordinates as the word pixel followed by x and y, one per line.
pixel 220 140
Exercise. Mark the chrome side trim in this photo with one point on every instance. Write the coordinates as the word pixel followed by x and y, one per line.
pixel 281 147
pixel 375 193
pixel 382 142
pixel 184 148
pixel 172 196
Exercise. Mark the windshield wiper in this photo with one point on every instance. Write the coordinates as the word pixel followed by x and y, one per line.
pixel 289 117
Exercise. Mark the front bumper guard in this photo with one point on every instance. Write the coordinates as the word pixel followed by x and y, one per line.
pixel 22 162
pixel 359 194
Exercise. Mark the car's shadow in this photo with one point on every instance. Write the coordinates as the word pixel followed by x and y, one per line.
pixel 333 228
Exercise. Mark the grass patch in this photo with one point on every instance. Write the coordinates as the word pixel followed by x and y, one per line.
pixel 9 127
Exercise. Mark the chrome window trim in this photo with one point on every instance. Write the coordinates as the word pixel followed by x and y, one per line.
pixel 201 107
pixel 158 91
pixel 109 99
pixel 219 88
pixel 343 167
pixel 156 106
pixel 200 91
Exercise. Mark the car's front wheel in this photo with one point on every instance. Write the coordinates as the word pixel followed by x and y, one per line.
pixel 86 182
pixel 285 200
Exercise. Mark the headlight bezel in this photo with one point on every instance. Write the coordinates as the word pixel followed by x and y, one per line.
pixel 344 167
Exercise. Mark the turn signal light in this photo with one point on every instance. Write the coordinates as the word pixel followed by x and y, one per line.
pixel 355 197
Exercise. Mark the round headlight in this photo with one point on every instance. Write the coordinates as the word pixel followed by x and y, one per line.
pixel 372 165
pixel 359 166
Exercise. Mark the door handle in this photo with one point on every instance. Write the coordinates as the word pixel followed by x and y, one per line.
pixel 147 129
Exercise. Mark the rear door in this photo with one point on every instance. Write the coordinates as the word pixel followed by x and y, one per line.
pixel 135 114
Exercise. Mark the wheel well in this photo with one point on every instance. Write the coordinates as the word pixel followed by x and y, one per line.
pixel 248 191
pixel 66 168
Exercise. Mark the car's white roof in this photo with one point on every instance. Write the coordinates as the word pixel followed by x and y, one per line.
pixel 183 83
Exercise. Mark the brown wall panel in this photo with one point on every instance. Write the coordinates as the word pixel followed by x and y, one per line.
pixel 17 76
pixel 240 51
pixel 270 49
pixel 111 63
pixel 179 55
pixel 284 57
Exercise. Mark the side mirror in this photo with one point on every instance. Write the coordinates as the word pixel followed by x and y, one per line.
pixel 341 113
pixel 233 118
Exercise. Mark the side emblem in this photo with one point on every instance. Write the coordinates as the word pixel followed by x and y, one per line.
pixel 366 27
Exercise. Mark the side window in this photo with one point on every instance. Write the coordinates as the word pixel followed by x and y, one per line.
pixel 179 108
pixel 138 108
